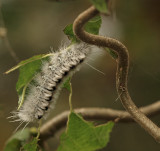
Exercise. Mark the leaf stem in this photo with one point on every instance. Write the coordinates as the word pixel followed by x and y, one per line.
pixel 23 94
pixel 22 97
pixel 39 127
pixel 70 98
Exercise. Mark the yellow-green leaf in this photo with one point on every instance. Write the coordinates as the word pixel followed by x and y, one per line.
pixel 17 140
pixel 66 84
pixel 92 26
pixel 84 136
pixel 32 145
pixel 101 5
pixel 68 30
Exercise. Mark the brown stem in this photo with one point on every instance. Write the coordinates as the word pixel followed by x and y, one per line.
pixel 122 69
pixel 55 124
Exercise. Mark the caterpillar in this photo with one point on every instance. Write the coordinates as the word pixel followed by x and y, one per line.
pixel 48 82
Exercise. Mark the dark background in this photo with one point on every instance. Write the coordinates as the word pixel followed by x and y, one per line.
pixel 35 26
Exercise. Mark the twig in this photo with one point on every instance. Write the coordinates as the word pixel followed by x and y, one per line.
pixel 3 36
pixel 52 126
pixel 122 69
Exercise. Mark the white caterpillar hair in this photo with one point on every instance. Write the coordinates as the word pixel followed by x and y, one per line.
pixel 47 83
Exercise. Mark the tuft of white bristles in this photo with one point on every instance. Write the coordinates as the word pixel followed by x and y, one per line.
pixel 44 91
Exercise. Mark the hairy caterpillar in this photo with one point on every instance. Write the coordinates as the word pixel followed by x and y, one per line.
pixel 47 83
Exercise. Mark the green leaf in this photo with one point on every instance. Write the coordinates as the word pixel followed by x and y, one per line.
pixel 112 53
pixel 24 62
pixel 14 145
pixel 68 30
pixel 66 84
pixel 101 5
pixel 32 145
pixel 84 136
pixel 92 26
pixel 17 140
pixel 28 68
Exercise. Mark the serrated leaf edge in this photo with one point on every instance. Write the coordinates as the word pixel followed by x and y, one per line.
pixel 89 125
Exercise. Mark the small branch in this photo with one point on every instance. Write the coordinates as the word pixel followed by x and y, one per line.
pixel 104 114
pixel 122 69
pixel 3 36
pixel 9 48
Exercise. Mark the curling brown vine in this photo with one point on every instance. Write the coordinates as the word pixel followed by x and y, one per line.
pixel 122 69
